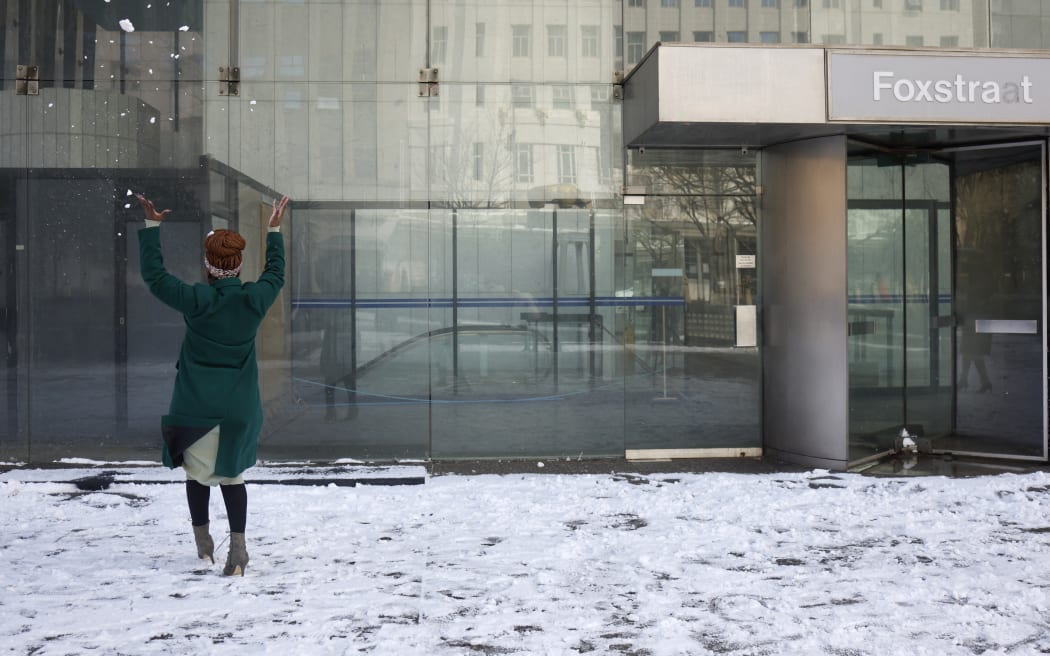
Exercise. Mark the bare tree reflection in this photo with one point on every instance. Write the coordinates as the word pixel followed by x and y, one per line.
pixel 703 216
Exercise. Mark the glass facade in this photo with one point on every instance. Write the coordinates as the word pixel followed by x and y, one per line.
pixel 464 277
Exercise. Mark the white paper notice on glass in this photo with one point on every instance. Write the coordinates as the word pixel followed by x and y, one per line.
pixel 745 261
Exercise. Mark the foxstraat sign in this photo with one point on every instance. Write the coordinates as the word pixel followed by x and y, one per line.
pixel 911 87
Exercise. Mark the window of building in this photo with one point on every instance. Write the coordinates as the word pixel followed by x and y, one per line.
pixel 521 95
pixel 914 41
pixel 562 98
pixel 603 161
pixel 669 37
pixel 704 37
pixel 293 98
pixel 479 160
pixel 877 4
pixel 618 40
pixel 702 3
pixel 363 162
pixel 800 37
pixel 832 4
pixel 438 45
pixel 769 37
pixel 949 41
pixel 556 40
pixel 801 3
pixel 913 5
pixel 520 37
pixel 479 39
pixel 566 164
pixel 737 3
pixel 736 37
pixel 635 47
pixel 599 94
pixel 291 66
pixel 668 3
pixel 523 163
pixel 949 5
pixel 479 96
pixel 876 39
pixel 253 67
pixel 635 3
pixel 771 4
pixel 438 157
pixel 833 39
pixel 589 40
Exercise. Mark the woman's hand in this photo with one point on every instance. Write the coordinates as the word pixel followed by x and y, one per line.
pixel 151 212
pixel 278 211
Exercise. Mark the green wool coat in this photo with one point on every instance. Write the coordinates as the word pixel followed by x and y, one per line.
pixel 217 383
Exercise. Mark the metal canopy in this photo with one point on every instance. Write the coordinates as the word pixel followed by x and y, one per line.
pixel 734 96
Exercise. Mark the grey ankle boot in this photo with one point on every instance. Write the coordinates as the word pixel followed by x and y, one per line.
pixel 237 559
pixel 205 545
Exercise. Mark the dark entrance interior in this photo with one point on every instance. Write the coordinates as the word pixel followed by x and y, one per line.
pixel 946 288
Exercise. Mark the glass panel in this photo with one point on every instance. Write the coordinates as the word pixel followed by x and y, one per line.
pixel 1020 24
pixel 89 149
pixel 494 145
pixel 119 100
pixel 14 209
pixel 332 142
pixel 999 276
pixel 899 276
pixel 874 280
pixel 691 270
pixel 560 41
pixel 361 333
pixel 322 41
pixel 120 108
pixel 72 313
pixel 927 300
pixel 530 345
pixel 913 23
pixel 151 124
pixel 394 276
pixel 86 45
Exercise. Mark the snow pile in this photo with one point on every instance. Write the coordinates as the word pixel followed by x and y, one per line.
pixel 790 563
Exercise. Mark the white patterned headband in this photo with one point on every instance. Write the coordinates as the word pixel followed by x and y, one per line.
pixel 216 272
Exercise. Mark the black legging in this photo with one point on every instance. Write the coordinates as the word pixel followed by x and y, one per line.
pixel 234 496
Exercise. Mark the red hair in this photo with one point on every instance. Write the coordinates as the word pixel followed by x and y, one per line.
pixel 222 248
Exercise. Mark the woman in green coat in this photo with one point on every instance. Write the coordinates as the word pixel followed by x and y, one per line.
pixel 213 423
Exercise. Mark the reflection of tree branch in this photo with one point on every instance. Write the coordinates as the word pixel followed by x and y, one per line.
pixel 710 209
pixel 454 165
pixel 711 195
pixel 711 198
pixel 654 234
pixel 660 241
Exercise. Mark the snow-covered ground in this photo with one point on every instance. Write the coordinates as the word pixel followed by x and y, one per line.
pixel 793 563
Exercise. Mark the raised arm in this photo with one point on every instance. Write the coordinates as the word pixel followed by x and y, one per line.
pixel 152 215
pixel 278 212
pixel 270 282
pixel 170 290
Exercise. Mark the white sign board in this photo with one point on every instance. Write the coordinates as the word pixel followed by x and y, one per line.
pixel 942 88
